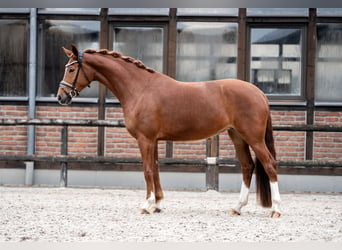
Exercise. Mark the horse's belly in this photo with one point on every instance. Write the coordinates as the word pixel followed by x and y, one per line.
pixel 193 131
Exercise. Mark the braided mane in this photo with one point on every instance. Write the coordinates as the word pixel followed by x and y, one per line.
pixel 115 54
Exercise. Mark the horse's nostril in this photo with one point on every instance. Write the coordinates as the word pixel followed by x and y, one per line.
pixel 59 98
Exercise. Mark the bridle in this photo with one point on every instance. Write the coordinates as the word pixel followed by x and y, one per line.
pixel 74 92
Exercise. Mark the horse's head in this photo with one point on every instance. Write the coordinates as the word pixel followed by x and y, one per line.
pixel 75 77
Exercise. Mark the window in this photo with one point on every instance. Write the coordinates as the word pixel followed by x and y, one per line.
pixel 87 11
pixel 142 43
pixel 139 11
pixel 277 12
pixel 276 60
pixel 207 11
pixel 53 35
pixel 328 87
pixel 13 57
pixel 329 12
pixel 14 10
pixel 206 51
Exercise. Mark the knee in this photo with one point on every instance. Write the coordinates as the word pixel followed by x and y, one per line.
pixel 148 172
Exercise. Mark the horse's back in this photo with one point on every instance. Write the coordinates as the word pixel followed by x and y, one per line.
pixel 196 110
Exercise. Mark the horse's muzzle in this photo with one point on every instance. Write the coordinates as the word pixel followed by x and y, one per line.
pixel 64 99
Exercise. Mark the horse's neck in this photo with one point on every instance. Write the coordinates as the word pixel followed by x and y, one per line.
pixel 124 79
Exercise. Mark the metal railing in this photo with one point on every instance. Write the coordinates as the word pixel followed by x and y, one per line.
pixel 211 165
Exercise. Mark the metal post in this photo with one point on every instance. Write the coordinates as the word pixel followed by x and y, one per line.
pixel 212 169
pixel 101 111
pixel 31 132
pixel 212 174
pixel 310 79
pixel 170 61
pixel 64 151
pixel 29 173
pixel 32 80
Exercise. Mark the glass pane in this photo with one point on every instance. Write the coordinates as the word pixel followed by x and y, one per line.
pixel 277 12
pixel 89 11
pixel 13 57
pixel 138 11
pixel 329 11
pixel 55 34
pixel 206 51
pixel 14 10
pixel 328 87
pixel 207 11
pixel 142 43
pixel 276 60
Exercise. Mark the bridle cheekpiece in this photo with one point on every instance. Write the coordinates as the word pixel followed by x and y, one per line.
pixel 74 92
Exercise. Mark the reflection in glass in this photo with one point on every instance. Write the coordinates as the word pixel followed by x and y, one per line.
pixel 13 57
pixel 328 87
pixel 207 11
pixel 89 11
pixel 14 10
pixel 55 34
pixel 139 11
pixel 206 51
pixel 329 11
pixel 276 60
pixel 277 11
pixel 142 43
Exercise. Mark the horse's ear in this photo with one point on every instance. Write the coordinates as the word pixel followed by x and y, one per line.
pixel 74 50
pixel 68 53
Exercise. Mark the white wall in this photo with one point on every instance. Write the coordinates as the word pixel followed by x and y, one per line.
pixel 169 180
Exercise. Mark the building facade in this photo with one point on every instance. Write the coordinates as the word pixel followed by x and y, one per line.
pixel 293 55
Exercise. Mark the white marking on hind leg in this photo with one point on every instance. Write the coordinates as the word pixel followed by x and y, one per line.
pixel 275 197
pixel 243 198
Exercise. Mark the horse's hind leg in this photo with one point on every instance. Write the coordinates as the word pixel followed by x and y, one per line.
pixel 247 168
pixel 269 164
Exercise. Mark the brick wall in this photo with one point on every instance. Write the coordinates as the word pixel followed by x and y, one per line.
pixel 328 146
pixel 119 143
pixel 289 145
pixel 190 149
pixel 13 139
pixel 81 140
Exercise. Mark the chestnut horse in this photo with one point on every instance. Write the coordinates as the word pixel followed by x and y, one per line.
pixel 157 107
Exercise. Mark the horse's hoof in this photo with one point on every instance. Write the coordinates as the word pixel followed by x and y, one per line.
pixel 143 211
pixel 275 214
pixel 155 210
pixel 234 212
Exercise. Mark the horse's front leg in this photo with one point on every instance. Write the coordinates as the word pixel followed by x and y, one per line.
pixel 154 193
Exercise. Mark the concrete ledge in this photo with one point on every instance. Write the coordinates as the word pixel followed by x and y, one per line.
pixel 169 180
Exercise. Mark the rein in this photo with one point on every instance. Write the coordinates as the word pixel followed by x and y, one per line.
pixel 74 92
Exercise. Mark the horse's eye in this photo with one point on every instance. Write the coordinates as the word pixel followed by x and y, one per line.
pixel 71 70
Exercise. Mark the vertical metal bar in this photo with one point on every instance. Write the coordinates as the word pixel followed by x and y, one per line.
pixel 64 151
pixel 212 174
pixel 29 173
pixel 241 54
pixel 32 80
pixel 171 61
pixel 212 169
pixel 31 130
pixel 101 112
pixel 310 81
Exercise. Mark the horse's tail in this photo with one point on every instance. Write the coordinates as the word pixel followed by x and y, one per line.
pixel 263 189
